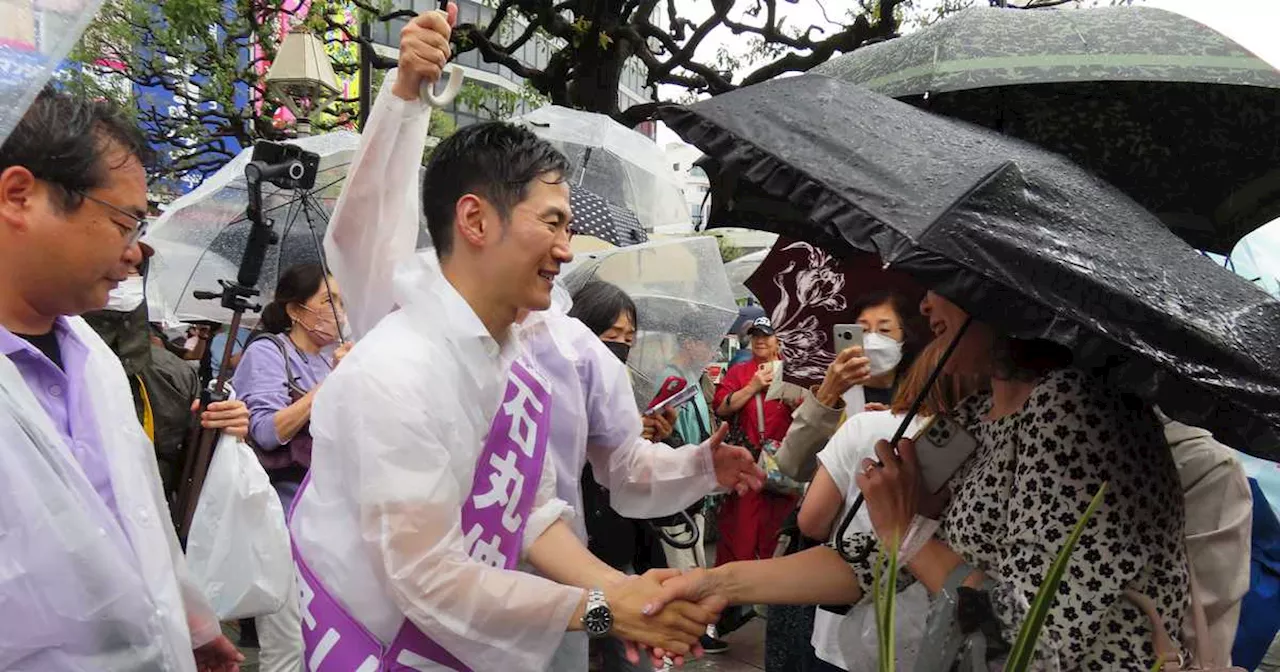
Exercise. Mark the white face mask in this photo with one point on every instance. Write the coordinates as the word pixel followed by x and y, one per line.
pixel 884 353
pixel 127 295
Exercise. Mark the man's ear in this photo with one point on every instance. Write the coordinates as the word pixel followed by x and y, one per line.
pixel 18 187
pixel 470 222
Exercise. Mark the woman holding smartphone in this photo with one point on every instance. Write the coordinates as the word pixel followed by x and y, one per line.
pixel 1048 436
pixel 892 334
pixel 838 638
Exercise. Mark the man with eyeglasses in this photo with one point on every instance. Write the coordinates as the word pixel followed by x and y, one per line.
pixel 93 576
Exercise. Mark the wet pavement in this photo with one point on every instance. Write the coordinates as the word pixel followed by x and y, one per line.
pixel 745 654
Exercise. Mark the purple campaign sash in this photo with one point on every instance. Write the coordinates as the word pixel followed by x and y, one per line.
pixel 493 520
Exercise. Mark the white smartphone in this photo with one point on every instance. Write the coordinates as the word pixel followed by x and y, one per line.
pixel 846 336
pixel 942 446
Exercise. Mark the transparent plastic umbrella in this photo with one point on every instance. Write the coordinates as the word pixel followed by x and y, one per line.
pixel 740 269
pixel 202 268
pixel 681 292
pixel 34 39
pixel 615 163
pixel 598 218
pixel 201 238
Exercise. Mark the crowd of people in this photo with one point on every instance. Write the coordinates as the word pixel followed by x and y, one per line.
pixel 469 484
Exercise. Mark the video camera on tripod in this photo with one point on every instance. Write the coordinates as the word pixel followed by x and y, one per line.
pixel 286 166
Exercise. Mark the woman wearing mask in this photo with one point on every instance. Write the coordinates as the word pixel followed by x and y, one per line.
pixel 281 371
pixel 278 378
pixel 610 314
pixel 625 544
pixel 1048 437
pixel 860 377
pixel 892 335
pixel 838 637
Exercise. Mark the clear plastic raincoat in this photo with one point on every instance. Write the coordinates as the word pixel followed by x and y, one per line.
pixel 80 589
pixel 370 247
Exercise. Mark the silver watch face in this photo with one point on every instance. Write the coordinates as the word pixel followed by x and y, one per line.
pixel 598 621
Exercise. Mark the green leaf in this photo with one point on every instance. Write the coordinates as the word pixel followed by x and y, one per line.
pixel 1024 647
pixel 885 597
pixel 1158 666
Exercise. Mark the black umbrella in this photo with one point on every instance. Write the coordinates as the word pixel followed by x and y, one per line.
pixel 614 224
pixel 1019 237
pixel 1175 114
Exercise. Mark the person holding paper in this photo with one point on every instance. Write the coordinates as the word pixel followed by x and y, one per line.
pixel 749 522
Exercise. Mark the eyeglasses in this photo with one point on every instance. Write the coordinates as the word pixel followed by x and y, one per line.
pixel 132 234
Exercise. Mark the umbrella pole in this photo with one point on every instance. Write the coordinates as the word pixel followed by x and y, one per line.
pixel 310 207
pixel 902 430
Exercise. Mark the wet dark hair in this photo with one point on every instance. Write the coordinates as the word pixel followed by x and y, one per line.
pixel 915 329
pixel 63 139
pixel 598 305
pixel 494 160
pixel 296 285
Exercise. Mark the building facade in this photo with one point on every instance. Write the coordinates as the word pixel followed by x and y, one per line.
pixel 696 187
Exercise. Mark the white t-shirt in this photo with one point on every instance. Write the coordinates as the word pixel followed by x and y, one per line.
pixel 848 641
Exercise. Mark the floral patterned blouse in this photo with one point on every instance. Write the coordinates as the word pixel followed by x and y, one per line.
pixel 1016 500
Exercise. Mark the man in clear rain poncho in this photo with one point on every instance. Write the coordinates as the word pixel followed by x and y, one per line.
pixel 91 574
pixel 406 469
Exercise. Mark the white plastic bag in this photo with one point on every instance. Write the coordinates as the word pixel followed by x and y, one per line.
pixel 859 643
pixel 238 549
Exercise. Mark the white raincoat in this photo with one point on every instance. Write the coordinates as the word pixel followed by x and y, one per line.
pixel 370 248
pixel 397 429
pixel 79 591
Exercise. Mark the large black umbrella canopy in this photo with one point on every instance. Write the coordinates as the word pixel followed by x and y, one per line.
pixel 1175 114
pixel 1021 238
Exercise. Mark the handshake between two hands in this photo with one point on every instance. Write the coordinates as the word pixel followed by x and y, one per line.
pixel 664 612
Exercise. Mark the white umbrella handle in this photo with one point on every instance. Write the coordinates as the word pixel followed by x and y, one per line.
pixel 451 88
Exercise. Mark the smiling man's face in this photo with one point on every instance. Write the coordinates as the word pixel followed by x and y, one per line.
pixel 535 243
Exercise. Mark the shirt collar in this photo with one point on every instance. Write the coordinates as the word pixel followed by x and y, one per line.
pixel 453 317
pixel 11 343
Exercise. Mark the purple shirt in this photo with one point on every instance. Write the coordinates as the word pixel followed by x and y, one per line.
pixel 259 381
pixel 65 398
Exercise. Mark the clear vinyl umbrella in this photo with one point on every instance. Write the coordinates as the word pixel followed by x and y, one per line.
pixel 740 269
pixel 681 294
pixel 615 163
pixel 201 238
pixel 35 38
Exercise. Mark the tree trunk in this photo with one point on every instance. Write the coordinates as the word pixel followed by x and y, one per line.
pixel 594 86
pixel 598 70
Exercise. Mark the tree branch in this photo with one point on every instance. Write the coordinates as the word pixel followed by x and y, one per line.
pixel 851 38
pixel 499 15
pixel 494 53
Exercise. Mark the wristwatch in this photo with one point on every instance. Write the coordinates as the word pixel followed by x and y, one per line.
pixel 597 619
